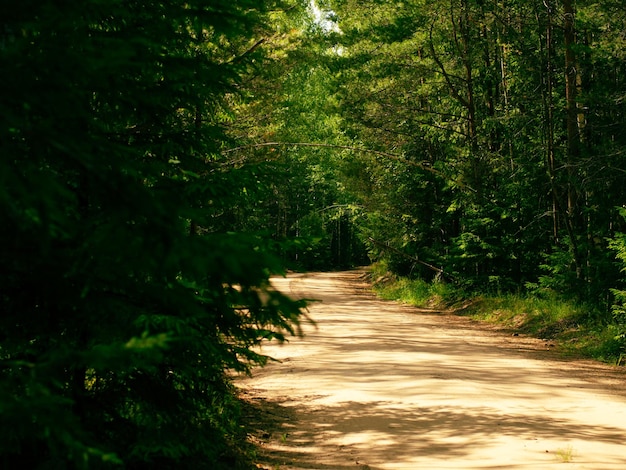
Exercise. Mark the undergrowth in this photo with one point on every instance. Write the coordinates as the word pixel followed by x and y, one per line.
pixel 576 329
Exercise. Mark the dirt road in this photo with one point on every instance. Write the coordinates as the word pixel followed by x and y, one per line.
pixel 378 385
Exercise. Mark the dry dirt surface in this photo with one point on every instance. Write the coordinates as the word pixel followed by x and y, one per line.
pixel 379 385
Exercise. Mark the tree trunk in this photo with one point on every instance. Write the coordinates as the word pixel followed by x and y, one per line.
pixel 549 126
pixel 573 136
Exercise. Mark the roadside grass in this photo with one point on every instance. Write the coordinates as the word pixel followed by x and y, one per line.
pixel 576 330
pixel 411 291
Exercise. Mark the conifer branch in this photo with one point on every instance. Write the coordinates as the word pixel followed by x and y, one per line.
pixel 426 166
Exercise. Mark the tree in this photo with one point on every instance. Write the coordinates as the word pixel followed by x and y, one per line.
pixel 496 110
pixel 291 134
pixel 124 299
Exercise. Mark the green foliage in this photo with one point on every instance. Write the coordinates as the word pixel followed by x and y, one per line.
pixel 618 245
pixel 294 131
pixel 126 294
pixel 490 182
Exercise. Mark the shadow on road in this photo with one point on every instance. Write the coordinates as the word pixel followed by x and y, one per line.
pixel 385 386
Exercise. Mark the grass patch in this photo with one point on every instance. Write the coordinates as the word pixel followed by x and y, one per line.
pixel 576 329
pixel 543 318
pixel 565 454
pixel 411 291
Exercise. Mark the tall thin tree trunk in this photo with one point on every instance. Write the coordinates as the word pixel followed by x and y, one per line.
pixel 573 140
pixel 464 25
pixel 573 136
pixel 549 124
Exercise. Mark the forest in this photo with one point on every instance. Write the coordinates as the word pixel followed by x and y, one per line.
pixel 160 160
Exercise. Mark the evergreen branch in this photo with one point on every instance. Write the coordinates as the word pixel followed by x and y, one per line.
pixel 385 246
pixel 453 90
pixel 398 158
pixel 241 56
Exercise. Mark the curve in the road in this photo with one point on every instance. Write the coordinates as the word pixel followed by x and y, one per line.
pixel 378 385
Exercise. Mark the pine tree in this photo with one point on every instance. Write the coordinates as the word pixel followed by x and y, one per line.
pixel 124 300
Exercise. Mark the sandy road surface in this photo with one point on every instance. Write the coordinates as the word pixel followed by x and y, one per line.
pixel 377 385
